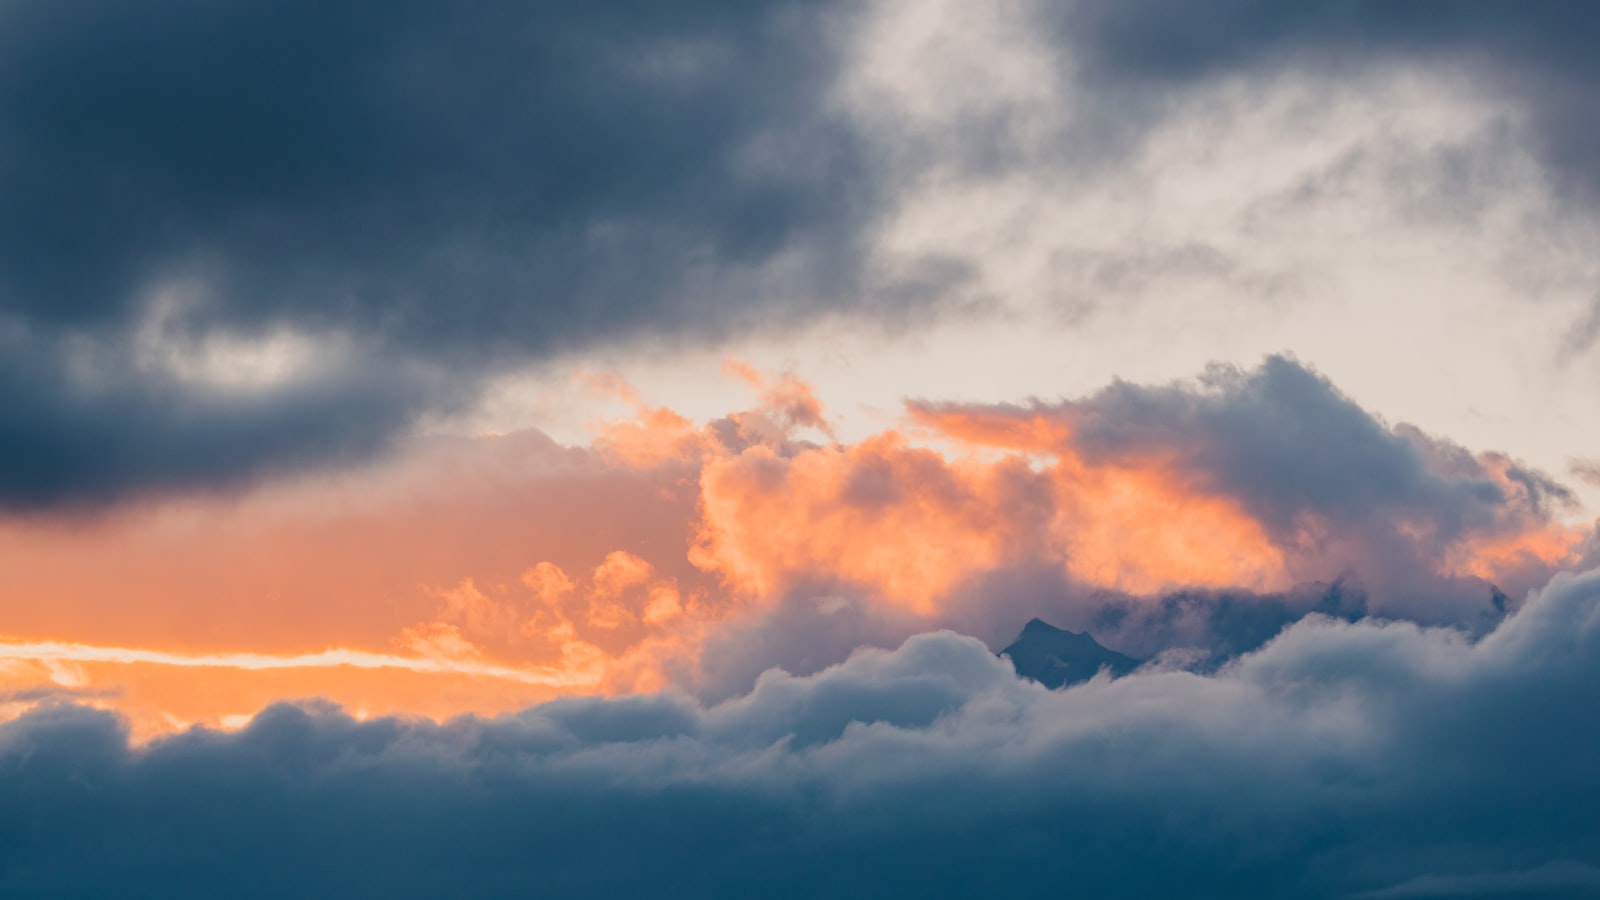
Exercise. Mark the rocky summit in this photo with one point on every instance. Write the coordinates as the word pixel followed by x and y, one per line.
pixel 1055 657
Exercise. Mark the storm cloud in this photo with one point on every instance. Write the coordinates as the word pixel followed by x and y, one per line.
pixel 1321 765
pixel 500 175
pixel 458 186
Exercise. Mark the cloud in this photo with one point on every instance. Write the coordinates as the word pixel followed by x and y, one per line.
pixel 75 439
pixel 1340 758
pixel 1585 470
pixel 441 196
pixel 1363 204
pixel 1532 58
pixel 1329 486
pixel 462 177
pixel 534 556
pixel 1191 521
pixel 1553 878
pixel 473 187
pixel 59 652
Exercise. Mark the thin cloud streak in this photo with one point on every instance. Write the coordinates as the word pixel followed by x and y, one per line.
pixel 58 651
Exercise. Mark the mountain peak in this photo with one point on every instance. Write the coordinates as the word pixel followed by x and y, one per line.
pixel 1038 626
pixel 1056 657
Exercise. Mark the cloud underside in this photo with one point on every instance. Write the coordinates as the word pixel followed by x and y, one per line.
pixel 417 188
pixel 1339 759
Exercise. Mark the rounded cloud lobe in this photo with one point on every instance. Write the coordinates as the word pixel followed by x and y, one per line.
pixel 1340 758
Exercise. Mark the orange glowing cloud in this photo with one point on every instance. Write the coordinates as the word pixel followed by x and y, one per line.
pixel 192 610
pixel 1151 515
pixel 484 574
pixel 1136 524
pixel 1493 558
pixel 1517 540
pixel 653 436
pixel 902 520
pixel 1140 529
pixel 910 523
pixel 479 653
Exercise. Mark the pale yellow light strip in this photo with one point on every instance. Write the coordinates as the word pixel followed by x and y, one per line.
pixel 58 651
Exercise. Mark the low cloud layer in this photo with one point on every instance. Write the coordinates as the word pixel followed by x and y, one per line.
pixel 1342 759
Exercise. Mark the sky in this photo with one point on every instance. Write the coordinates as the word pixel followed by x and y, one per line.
pixel 599 449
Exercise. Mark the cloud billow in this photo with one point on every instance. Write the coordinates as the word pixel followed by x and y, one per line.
pixel 1340 759
pixel 1335 490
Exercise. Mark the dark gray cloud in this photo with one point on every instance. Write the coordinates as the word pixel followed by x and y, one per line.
pixel 500 175
pixel 466 184
pixel 1340 758
pixel 1535 55
pixel 70 439
pixel 1285 442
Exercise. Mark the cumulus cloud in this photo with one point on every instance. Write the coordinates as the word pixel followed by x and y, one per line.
pixel 1330 486
pixel 1341 758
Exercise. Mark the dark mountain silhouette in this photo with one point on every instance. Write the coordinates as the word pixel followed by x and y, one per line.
pixel 1056 658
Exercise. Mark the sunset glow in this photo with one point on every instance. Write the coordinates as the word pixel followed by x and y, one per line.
pixel 370 593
